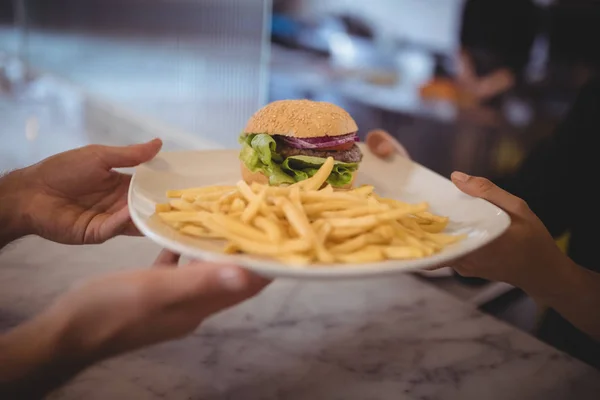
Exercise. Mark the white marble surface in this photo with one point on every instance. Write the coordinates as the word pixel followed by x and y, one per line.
pixel 396 338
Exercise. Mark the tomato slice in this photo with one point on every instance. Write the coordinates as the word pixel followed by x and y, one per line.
pixel 340 147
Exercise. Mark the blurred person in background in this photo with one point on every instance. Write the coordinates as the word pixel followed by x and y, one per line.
pixel 496 39
pixel 108 315
pixel 556 195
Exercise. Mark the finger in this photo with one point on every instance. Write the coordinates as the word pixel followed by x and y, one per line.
pixel 383 145
pixel 128 156
pixel 131 230
pixel 485 189
pixel 166 259
pixel 208 287
pixel 113 224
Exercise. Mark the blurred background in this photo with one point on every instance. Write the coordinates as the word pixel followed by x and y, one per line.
pixel 469 85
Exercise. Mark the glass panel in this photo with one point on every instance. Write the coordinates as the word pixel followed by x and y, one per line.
pixel 197 65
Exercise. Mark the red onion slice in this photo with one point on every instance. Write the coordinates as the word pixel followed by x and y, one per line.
pixel 319 142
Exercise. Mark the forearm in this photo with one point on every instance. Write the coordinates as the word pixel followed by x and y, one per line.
pixel 574 292
pixel 32 358
pixel 12 216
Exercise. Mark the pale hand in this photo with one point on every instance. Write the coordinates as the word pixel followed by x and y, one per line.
pixel 154 305
pixel 115 314
pixel 77 197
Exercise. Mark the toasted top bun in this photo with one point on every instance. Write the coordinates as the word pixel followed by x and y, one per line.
pixel 250 177
pixel 301 119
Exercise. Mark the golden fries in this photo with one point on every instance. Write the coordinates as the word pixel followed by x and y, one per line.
pixel 308 223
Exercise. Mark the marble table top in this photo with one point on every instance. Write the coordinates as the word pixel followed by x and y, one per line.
pixel 392 338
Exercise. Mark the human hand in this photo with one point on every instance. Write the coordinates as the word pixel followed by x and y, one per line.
pixel 154 305
pixel 383 145
pixel 77 197
pixel 523 255
pixel 114 314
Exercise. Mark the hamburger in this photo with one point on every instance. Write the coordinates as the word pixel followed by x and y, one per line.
pixel 288 141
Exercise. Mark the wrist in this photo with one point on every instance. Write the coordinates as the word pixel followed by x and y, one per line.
pixel 14 220
pixel 556 282
pixel 35 357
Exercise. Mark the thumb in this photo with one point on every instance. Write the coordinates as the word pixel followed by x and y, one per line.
pixel 212 287
pixel 128 156
pixel 485 189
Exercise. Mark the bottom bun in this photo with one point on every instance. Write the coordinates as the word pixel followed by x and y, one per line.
pixel 249 177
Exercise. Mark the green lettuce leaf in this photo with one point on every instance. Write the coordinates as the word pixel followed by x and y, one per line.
pixel 259 153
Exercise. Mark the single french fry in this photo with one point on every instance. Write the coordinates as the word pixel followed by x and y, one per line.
pixel 182 205
pixel 445 240
pixel 231 248
pixel 353 212
pixel 402 252
pixel 203 205
pixel 215 207
pixel 210 196
pixel 426 248
pixel 295 260
pixel 327 189
pixel 318 208
pixel 318 224
pixel 317 180
pixel 341 234
pixel 238 205
pixel 287 247
pixel 271 228
pixel 229 198
pixel 363 191
pixel 410 225
pixel 159 208
pixel 295 197
pixel 197 231
pixel 365 255
pixel 184 216
pixel 197 191
pixel 297 219
pixel 385 231
pixel 432 217
pixel 253 207
pixel 175 225
pixel 358 243
pixel 323 254
pixel 235 227
pixel 246 191
pixel 315 196
pixel 370 221
pixel 391 202
pixel 350 245
pixel 432 226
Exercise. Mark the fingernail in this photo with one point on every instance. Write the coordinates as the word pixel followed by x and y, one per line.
pixel 460 176
pixel 232 279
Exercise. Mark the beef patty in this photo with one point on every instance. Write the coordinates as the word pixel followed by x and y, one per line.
pixel 352 155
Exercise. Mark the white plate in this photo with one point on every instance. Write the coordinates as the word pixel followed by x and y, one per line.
pixel 397 178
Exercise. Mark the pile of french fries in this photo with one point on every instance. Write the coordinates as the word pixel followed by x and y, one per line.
pixel 307 223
